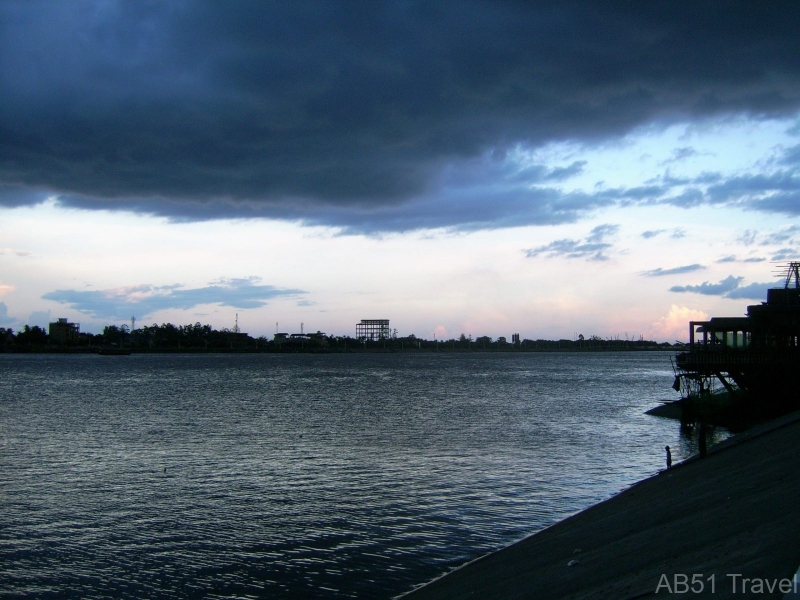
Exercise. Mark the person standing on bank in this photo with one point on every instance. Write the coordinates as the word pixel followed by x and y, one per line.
pixel 669 457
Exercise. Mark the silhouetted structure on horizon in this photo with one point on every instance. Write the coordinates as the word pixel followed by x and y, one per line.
pixel 64 333
pixel 373 330
pixel 756 357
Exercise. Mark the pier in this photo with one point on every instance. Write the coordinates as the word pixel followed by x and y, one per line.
pixel 755 359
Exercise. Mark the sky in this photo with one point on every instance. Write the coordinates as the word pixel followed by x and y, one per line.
pixel 551 169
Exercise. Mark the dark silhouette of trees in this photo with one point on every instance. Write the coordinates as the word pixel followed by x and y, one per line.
pixel 190 337
pixel 204 338
pixel 31 337
pixel 6 338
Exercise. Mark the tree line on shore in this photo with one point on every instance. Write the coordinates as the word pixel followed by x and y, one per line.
pixel 198 338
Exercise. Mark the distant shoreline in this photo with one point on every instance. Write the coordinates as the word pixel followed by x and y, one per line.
pixel 442 350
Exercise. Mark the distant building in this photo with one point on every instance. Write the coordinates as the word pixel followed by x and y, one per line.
pixel 515 338
pixel 64 333
pixel 301 340
pixel 501 341
pixel 373 330
pixel 238 340
pixel 758 354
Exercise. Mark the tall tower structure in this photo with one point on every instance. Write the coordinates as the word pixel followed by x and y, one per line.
pixel 373 329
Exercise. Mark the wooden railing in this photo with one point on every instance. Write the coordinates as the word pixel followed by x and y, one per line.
pixel 736 357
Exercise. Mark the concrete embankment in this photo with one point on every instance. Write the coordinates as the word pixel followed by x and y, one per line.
pixel 725 526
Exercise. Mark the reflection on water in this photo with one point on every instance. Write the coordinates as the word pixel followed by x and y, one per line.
pixel 693 434
pixel 305 476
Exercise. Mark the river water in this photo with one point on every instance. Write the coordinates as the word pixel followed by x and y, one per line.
pixel 306 476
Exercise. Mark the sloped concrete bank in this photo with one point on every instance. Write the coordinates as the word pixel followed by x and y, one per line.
pixel 724 526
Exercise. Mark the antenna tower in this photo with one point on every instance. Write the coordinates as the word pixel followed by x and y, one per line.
pixel 793 273
pixel 236 326
pixel 133 323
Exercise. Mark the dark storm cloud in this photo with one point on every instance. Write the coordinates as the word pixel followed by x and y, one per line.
pixel 591 248
pixel 659 272
pixel 478 194
pixel 145 299
pixel 12 196
pixel 349 114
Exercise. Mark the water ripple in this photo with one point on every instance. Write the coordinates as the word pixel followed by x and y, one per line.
pixel 337 476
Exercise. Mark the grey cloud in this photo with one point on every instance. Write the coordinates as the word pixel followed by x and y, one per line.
pixel 680 154
pixel 570 249
pixel 599 233
pixel 5 320
pixel 781 236
pixel 706 288
pixel 41 318
pixel 652 233
pixel 678 233
pixel 754 291
pixel 748 238
pixel 482 193
pixel 688 198
pixel 592 248
pixel 564 173
pixel 769 191
pixel 786 254
pixel 12 196
pixel 704 178
pixel 659 272
pixel 143 300
pixel 732 258
pixel 791 156
pixel 785 238
pixel 774 192
pixel 345 115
